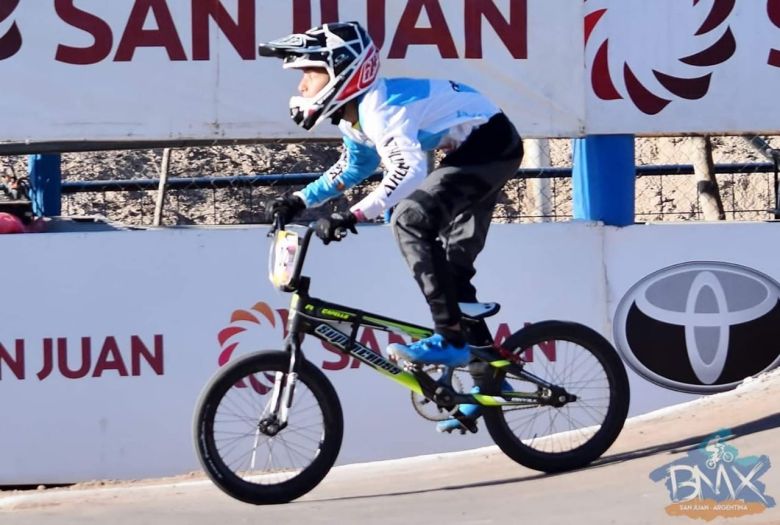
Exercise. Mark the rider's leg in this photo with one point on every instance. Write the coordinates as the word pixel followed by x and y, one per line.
pixel 465 179
pixel 464 240
pixel 418 222
pixel 494 152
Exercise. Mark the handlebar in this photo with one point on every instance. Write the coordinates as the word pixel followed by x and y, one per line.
pixel 291 282
pixel 278 224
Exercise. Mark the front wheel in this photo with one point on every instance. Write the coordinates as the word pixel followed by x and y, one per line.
pixel 551 437
pixel 243 441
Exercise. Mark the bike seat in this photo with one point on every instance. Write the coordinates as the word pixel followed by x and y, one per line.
pixel 479 310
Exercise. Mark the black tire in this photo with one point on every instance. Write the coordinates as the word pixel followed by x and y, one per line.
pixel 594 356
pixel 235 394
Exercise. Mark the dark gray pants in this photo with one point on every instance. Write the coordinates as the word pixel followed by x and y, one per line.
pixel 442 226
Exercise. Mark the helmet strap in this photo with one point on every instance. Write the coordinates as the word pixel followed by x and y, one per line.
pixel 337 116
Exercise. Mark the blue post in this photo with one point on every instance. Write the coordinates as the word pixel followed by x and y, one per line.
pixel 604 179
pixel 45 184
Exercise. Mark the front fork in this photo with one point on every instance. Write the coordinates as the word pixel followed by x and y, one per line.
pixel 282 396
pixel 284 382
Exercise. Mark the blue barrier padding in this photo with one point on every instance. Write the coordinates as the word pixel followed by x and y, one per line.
pixel 604 179
pixel 45 184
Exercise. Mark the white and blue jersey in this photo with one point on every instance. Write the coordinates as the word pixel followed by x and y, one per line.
pixel 399 120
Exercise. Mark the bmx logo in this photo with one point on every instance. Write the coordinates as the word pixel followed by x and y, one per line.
pixel 700 327
pixel 671 77
pixel 713 481
pixel 11 39
pixel 246 329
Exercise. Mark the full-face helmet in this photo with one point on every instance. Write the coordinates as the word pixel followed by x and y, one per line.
pixel 345 51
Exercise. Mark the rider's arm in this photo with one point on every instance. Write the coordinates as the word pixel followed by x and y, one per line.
pixel 404 160
pixel 357 163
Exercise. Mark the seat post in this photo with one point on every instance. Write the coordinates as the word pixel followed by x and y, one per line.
pixel 476 331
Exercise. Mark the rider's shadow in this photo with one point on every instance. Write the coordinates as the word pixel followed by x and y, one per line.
pixel 688 444
pixel 674 447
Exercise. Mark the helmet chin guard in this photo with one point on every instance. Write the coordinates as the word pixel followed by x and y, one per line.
pixel 345 51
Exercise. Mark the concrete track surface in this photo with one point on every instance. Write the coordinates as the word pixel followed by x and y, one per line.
pixel 475 487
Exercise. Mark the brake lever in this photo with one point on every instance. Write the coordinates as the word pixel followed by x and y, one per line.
pixel 278 224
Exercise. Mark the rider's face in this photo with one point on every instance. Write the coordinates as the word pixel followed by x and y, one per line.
pixel 314 79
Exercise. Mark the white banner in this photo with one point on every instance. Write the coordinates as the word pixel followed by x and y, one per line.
pixel 106 339
pixel 93 70
pixel 90 70
pixel 671 66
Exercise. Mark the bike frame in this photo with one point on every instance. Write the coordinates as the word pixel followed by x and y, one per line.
pixel 338 325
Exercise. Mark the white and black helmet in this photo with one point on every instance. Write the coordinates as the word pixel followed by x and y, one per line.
pixel 344 50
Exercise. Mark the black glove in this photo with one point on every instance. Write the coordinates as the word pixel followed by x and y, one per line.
pixel 287 207
pixel 328 229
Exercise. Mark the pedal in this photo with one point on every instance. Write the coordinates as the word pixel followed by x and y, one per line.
pixel 470 425
pixel 462 430
pixel 458 422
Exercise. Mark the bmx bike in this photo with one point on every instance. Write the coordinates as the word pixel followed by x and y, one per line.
pixel 268 426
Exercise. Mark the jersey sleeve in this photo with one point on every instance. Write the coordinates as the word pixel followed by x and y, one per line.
pixel 404 161
pixel 357 163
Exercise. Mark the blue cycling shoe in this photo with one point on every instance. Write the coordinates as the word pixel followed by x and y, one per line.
pixel 470 411
pixel 433 350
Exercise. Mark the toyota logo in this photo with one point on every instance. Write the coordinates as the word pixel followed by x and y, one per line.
pixel 700 327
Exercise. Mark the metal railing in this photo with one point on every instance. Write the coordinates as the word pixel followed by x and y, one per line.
pixel 299 179
pixel 242 187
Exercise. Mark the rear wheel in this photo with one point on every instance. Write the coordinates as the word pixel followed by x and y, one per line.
pixel 246 450
pixel 558 438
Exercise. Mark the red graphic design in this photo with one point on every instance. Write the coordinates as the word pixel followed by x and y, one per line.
pixel 773 8
pixel 11 41
pixel 363 76
pixel 682 87
pixel 258 315
pixel 243 324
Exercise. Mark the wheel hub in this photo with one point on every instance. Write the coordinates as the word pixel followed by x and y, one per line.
pixel 557 397
pixel 269 426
